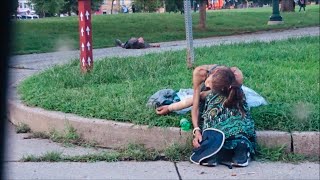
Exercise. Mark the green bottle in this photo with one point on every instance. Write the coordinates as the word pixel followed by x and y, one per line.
pixel 185 124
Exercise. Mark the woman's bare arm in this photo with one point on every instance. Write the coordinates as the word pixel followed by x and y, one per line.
pixel 199 75
pixel 185 103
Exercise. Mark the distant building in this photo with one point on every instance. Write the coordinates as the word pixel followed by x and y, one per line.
pixel 118 5
pixel 25 7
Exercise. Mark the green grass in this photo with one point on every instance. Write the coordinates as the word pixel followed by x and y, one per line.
pixel 52 34
pixel 286 73
pixel 278 154
pixel 22 128
pixel 68 137
pixel 133 152
pixel 51 156
pixel 174 153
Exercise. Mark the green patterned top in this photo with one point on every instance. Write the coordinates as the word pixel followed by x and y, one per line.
pixel 228 120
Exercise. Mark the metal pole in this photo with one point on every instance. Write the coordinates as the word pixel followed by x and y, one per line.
pixel 275 18
pixel 85 33
pixel 189 36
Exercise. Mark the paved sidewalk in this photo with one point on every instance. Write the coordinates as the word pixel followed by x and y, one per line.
pixel 20 145
pixel 159 170
pixel 36 62
pixel 17 146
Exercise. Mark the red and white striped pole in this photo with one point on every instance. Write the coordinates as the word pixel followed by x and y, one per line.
pixel 85 33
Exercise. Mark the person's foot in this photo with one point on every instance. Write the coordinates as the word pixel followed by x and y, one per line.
pixel 211 161
pixel 118 42
pixel 241 155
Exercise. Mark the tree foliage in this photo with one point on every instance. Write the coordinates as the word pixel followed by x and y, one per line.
pixel 15 5
pixel 148 5
pixel 72 6
pixel 48 7
pixel 95 4
pixel 54 7
pixel 174 5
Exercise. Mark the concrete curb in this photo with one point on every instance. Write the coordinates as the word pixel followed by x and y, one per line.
pixel 274 139
pixel 114 134
pixel 105 133
pixel 307 143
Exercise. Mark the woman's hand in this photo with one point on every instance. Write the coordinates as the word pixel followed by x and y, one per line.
pixel 163 110
pixel 197 138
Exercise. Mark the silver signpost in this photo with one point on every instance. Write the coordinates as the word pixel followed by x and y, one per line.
pixel 189 36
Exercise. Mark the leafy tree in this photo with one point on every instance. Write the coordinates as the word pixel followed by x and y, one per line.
pixel 72 6
pixel 15 5
pixel 174 5
pixel 48 7
pixel 95 4
pixel 148 5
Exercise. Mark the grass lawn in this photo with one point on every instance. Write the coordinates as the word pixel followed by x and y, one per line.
pixel 52 34
pixel 286 73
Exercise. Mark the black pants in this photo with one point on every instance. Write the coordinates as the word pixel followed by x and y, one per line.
pixel 302 6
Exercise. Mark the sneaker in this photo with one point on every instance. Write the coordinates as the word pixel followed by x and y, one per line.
pixel 210 162
pixel 118 42
pixel 241 155
pixel 212 142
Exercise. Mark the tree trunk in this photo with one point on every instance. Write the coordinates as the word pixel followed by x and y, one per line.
pixel 202 15
pixel 118 6
pixel 112 6
pixel 164 5
pixel 287 6
pixel 69 11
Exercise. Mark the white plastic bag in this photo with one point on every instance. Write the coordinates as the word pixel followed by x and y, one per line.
pixel 253 98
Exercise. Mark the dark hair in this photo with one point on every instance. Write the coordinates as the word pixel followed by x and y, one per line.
pixel 224 83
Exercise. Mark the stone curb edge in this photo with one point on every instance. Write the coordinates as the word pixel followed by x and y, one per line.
pixel 113 134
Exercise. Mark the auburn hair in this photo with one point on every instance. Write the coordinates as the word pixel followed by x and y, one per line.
pixel 224 83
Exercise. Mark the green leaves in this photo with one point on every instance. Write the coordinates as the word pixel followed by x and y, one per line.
pixel 48 7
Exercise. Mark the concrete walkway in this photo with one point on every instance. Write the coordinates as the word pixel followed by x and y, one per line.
pixel 17 146
pixel 41 61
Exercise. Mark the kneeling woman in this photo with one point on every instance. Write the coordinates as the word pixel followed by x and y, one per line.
pixel 223 108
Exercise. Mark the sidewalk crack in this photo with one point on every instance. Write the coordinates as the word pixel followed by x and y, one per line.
pixel 292 147
pixel 177 170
